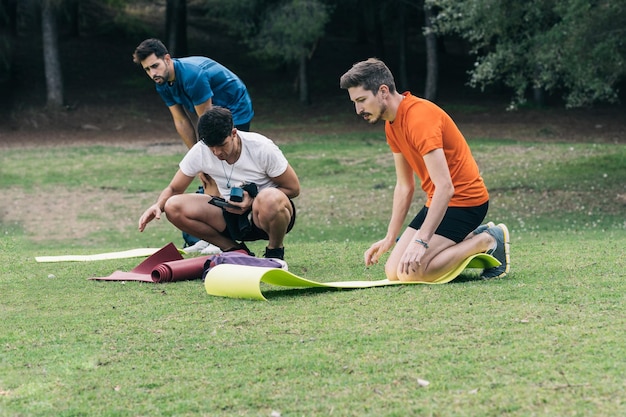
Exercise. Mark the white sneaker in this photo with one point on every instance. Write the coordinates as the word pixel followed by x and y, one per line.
pixel 196 247
pixel 210 250
pixel 283 264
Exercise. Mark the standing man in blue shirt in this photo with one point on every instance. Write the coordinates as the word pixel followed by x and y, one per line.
pixel 192 85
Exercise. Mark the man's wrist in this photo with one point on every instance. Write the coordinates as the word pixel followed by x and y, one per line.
pixel 422 242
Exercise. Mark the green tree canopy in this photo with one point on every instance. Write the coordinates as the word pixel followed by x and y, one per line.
pixel 290 31
pixel 574 48
pixel 280 31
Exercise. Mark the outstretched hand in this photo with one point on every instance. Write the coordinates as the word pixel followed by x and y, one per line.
pixel 154 212
pixel 378 249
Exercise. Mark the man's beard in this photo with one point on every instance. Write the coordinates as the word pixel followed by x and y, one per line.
pixel 374 120
pixel 162 79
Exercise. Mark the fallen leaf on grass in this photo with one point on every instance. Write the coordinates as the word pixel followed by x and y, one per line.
pixel 422 382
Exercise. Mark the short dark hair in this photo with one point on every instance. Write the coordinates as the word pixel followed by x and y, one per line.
pixel 369 74
pixel 147 48
pixel 215 125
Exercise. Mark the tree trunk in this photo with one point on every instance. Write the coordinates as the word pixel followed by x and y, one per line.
pixel 305 96
pixel 538 92
pixel 379 38
pixel 8 33
pixel 361 26
pixel 538 96
pixel 52 63
pixel 176 27
pixel 9 20
pixel 402 83
pixel 73 18
pixel 432 62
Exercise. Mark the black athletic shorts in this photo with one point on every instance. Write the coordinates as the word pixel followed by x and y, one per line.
pixel 457 223
pixel 244 127
pixel 242 227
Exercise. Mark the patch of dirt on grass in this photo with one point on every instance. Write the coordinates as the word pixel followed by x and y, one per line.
pixel 58 213
pixel 112 125
pixel 546 125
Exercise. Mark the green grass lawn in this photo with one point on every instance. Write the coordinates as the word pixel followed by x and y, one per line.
pixel 548 340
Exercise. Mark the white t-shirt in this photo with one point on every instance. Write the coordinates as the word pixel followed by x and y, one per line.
pixel 260 160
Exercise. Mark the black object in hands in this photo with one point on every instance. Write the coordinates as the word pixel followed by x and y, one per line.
pixel 220 202
pixel 236 194
pixel 251 188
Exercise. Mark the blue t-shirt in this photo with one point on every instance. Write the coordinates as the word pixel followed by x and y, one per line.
pixel 199 79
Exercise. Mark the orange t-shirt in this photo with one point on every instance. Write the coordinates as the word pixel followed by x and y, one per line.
pixel 421 127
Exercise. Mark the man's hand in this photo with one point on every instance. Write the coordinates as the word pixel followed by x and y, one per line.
pixel 378 249
pixel 209 184
pixel 242 206
pixel 154 212
pixel 412 258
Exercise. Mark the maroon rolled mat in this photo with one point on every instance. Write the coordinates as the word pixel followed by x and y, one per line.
pixel 182 270
pixel 165 265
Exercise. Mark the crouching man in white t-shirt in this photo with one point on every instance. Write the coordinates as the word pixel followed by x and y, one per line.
pixel 255 181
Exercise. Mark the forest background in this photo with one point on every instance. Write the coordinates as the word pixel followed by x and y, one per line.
pixel 559 54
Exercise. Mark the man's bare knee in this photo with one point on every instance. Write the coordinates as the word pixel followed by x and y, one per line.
pixel 172 205
pixel 391 272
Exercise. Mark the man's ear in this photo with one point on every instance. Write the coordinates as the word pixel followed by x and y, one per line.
pixel 384 90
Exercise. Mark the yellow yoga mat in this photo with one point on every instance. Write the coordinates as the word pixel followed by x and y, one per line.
pixel 239 281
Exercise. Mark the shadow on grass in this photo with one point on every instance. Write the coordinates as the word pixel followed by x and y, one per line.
pixel 289 292
pixel 276 292
pixel 467 277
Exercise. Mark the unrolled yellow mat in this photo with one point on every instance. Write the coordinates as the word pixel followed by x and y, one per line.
pixel 240 281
